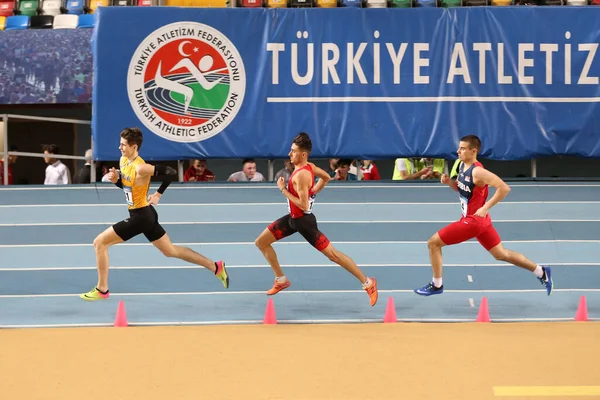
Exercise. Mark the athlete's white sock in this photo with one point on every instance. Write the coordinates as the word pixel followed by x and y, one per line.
pixel 538 271
pixel 282 279
pixel 366 284
pixel 437 282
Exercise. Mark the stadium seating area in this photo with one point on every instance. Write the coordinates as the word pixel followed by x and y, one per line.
pixel 63 14
pixel 71 14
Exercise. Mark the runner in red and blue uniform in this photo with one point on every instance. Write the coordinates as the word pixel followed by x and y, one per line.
pixel 472 187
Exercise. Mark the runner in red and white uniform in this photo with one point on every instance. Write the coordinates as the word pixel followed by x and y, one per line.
pixel 300 193
pixel 472 186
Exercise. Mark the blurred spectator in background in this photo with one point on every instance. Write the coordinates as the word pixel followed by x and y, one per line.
pixel 285 172
pixel 197 172
pixel 85 173
pixel 342 171
pixel 355 170
pixel 248 173
pixel 370 171
pixel 418 168
pixel 57 173
pixel 11 160
pixel 333 164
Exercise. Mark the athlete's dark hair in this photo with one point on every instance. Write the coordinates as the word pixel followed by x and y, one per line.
pixel 473 141
pixel 133 136
pixel 303 142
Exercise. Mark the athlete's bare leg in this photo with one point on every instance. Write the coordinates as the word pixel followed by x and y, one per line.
pixel 544 274
pixel 167 247
pixel 517 259
pixel 264 242
pixel 344 261
pixel 101 244
pixel 436 286
pixel 435 245
pixel 266 239
pixel 368 284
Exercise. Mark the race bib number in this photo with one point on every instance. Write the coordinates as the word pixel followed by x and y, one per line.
pixel 128 195
pixel 463 206
pixel 311 202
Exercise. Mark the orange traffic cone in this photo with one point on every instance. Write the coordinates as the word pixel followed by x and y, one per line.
pixel 484 312
pixel 270 317
pixel 390 312
pixel 582 312
pixel 121 318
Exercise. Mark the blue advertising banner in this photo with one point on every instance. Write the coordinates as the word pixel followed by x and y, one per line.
pixel 366 83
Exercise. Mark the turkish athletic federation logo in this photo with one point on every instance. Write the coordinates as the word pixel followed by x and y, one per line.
pixel 186 82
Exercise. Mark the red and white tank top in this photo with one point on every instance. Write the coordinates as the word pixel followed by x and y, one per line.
pixel 294 210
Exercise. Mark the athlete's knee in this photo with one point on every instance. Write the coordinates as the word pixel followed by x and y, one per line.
pixel 99 243
pixel 259 242
pixel 264 240
pixel 500 254
pixel 434 242
pixel 331 253
pixel 169 251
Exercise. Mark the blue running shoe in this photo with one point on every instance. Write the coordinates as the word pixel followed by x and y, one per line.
pixel 546 280
pixel 429 289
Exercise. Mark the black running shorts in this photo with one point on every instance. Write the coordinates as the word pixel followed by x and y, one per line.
pixel 141 220
pixel 305 226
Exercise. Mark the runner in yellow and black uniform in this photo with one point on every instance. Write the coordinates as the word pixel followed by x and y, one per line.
pixel 134 177
pixel 142 216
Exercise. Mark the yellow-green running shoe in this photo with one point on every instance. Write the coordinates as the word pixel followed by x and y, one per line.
pixel 221 273
pixel 94 295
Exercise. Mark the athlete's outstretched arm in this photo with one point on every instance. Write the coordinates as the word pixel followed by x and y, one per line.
pixel 301 183
pixel 323 176
pixel 484 177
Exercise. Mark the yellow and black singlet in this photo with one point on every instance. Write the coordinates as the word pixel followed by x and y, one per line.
pixel 135 196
